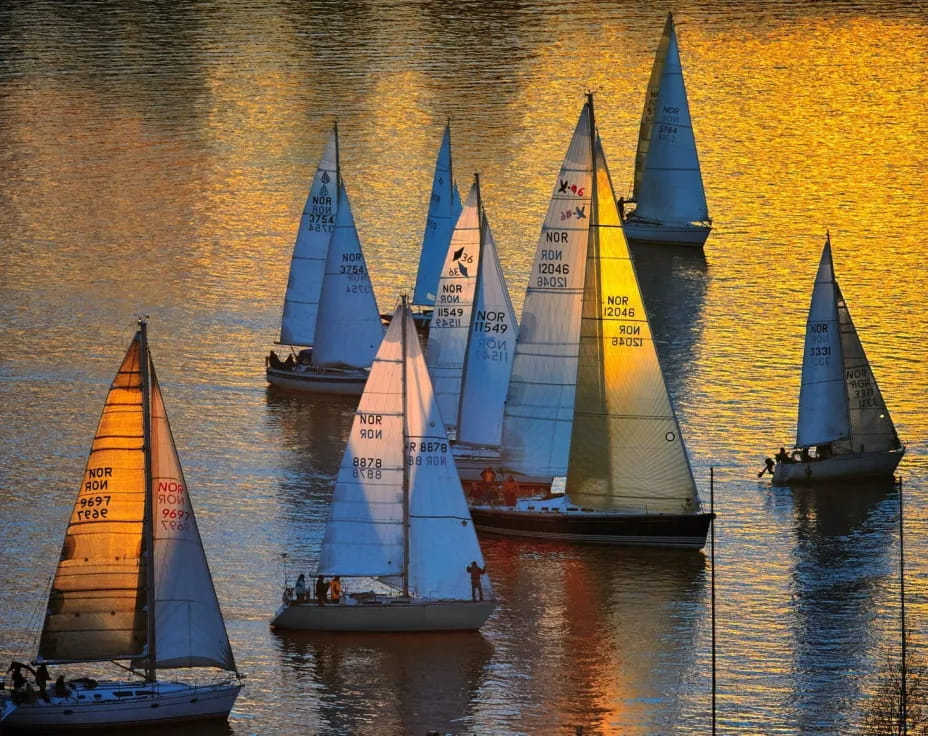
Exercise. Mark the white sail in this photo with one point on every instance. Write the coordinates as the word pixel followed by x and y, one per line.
pixel 307 264
pixel 443 213
pixel 540 402
pixel 490 349
pixel 96 607
pixel 650 105
pixel 626 451
pixel 450 322
pixel 823 413
pixel 872 429
pixel 670 188
pixel 189 629
pixel 349 328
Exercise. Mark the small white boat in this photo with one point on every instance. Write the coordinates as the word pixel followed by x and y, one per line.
pixel 844 431
pixel 329 309
pixel 107 602
pixel 444 211
pixel 399 533
pixel 472 337
pixel 587 398
pixel 668 195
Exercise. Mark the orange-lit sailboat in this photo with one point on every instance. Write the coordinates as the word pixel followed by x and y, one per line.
pixel 587 397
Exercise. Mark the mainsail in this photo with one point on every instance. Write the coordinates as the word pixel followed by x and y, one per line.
pixel 443 213
pixel 488 362
pixel 133 506
pixel 398 478
pixel 668 186
pixel 840 402
pixel 540 402
pixel 307 264
pixel 626 450
pixel 650 104
pixel 349 328
pixel 450 323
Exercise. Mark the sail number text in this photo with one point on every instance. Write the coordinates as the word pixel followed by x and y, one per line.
pixel 172 501
pixel 860 388
pixel 428 452
pixel 552 271
pixel 616 306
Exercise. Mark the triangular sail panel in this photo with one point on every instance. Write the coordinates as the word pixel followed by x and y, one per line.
pixel 444 210
pixel 189 627
pixel 626 451
pixel 823 414
pixel 96 608
pixel 307 264
pixel 349 328
pixel 450 323
pixel 650 104
pixel 540 402
pixel 490 349
pixel 670 188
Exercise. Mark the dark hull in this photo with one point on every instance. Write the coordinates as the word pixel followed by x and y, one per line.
pixel 650 530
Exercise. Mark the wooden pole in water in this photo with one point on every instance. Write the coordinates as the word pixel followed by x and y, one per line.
pixel 904 696
pixel 712 582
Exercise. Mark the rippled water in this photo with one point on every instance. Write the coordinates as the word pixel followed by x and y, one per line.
pixel 155 158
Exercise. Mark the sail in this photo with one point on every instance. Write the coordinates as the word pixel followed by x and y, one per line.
pixel 540 402
pixel 823 415
pixel 670 188
pixel 871 427
pixel 490 349
pixel 650 104
pixel 364 532
pixel 307 264
pixel 444 210
pixel 626 450
pixel 349 328
pixel 450 322
pixel 96 608
pixel 189 629
pixel 442 539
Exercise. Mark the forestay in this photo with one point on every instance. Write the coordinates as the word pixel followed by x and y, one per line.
pixel 307 264
pixel 490 349
pixel 444 210
pixel 669 188
pixel 626 450
pixel 540 402
pixel 450 322
pixel 350 329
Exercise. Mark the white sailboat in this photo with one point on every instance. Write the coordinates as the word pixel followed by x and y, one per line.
pixel 444 211
pixel 587 397
pixel 668 194
pixel 844 431
pixel 471 341
pixel 132 582
pixel 330 307
pixel 399 533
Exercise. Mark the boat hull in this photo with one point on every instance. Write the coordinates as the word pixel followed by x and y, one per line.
pixel 319 381
pixel 840 468
pixel 650 530
pixel 392 616
pixel 655 233
pixel 116 704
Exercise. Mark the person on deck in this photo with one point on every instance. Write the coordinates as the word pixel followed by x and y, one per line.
pixel 783 456
pixel 41 680
pixel 322 590
pixel 335 590
pixel 300 589
pixel 61 690
pixel 510 491
pixel 475 572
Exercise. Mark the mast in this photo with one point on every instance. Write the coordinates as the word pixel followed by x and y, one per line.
pixel 147 535
pixel 405 463
pixel 450 166
pixel 338 166
pixel 835 294
pixel 478 283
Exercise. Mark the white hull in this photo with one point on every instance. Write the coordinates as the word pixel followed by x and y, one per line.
pixel 641 231
pixel 385 615
pixel 319 380
pixel 849 467
pixel 125 704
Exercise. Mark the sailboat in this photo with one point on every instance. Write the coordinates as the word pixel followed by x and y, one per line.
pixel 133 581
pixel 471 341
pixel 587 396
pixel 444 211
pixel 668 194
pixel 398 533
pixel 329 307
pixel 844 431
